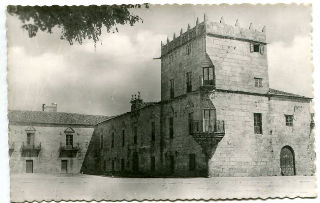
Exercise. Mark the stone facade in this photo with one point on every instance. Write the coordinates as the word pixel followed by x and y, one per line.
pixel 217 115
pixel 38 141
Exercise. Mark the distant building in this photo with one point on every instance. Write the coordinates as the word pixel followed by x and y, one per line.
pixel 49 142
pixel 217 115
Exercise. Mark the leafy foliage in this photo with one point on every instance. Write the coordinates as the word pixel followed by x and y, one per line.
pixel 77 23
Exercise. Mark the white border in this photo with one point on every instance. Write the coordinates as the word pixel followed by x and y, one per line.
pixel 4 163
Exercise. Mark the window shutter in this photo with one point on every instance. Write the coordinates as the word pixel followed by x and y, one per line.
pixel 261 49
pixel 251 47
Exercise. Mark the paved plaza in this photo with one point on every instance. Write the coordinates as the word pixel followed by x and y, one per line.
pixel 86 187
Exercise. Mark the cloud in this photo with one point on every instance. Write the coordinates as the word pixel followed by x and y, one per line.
pixel 101 78
pixel 290 66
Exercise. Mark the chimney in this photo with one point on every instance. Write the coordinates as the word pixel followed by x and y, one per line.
pixel 53 107
pixel 136 102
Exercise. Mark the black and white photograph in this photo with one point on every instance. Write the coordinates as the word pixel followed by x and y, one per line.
pixel 160 102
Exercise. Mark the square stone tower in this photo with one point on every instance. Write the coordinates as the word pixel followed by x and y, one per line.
pixel 215 55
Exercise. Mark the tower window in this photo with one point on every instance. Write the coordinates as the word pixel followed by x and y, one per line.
pixel 189 81
pixel 258 82
pixel 171 127
pixel 208 76
pixel 188 49
pixel 171 88
pixel 289 120
pixel 255 47
pixel 257 123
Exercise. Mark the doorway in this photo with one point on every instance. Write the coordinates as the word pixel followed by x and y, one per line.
pixel 64 166
pixel 29 166
pixel 287 162
pixel 135 162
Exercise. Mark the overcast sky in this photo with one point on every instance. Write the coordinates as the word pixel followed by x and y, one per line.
pixel 84 79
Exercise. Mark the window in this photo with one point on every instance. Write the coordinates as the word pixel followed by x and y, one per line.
pixel 69 140
pixel 30 138
pixel 289 120
pixel 153 131
pixel 112 165
pixel 112 140
pixel 257 123
pixel 122 164
pixel 190 120
pixel 208 76
pixel 208 120
pixel 255 47
pixel 171 127
pixel 123 138
pixel 135 135
pixel 171 88
pixel 192 162
pixel 153 163
pixel 188 49
pixel 189 81
pixel 258 82
pixel 101 141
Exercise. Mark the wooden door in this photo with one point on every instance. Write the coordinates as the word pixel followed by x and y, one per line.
pixel 287 163
pixel 64 166
pixel 29 166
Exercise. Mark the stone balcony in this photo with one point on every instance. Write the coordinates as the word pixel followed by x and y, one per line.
pixel 70 151
pixel 30 150
pixel 207 133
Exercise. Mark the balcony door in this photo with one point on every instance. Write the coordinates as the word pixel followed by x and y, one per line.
pixel 208 75
pixel 209 117
pixel 30 139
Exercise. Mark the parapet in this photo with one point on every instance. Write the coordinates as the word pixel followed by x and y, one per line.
pixel 218 29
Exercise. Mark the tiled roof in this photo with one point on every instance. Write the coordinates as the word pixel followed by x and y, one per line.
pixel 41 117
pixel 282 93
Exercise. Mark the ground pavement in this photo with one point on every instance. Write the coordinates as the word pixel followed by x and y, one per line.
pixel 25 187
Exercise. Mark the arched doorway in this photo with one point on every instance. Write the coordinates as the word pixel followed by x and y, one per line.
pixel 287 162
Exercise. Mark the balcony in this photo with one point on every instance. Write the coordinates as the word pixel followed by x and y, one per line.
pixel 207 85
pixel 11 148
pixel 207 133
pixel 68 150
pixel 30 150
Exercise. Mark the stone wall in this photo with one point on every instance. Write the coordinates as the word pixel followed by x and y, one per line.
pixel 298 136
pixel 244 153
pixel 50 137
pixel 235 66
pixel 177 63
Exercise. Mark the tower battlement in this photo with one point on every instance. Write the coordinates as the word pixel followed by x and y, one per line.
pixel 218 29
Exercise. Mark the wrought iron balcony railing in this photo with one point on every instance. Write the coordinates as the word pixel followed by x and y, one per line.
pixel 207 133
pixel 30 150
pixel 68 150
pixel 206 126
